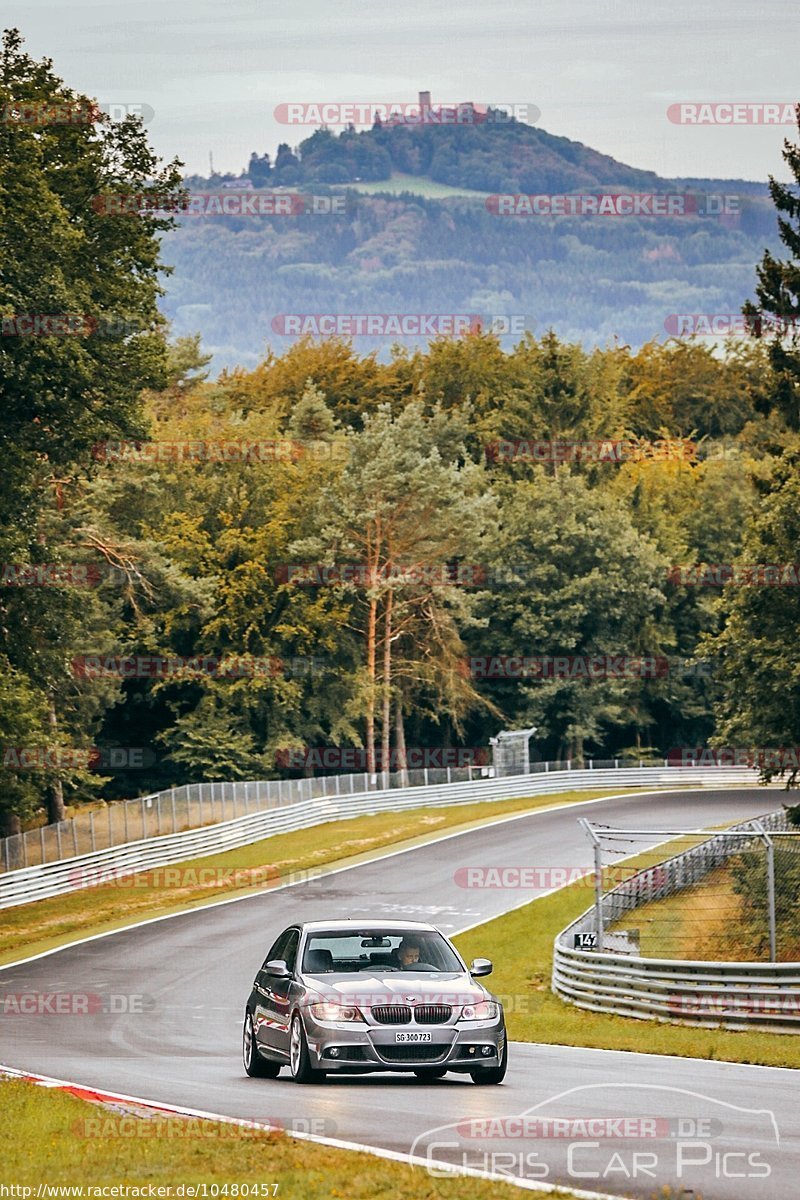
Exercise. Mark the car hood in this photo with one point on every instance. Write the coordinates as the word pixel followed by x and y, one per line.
pixel 373 987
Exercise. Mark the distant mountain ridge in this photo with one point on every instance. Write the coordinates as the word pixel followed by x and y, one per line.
pixel 241 280
pixel 485 156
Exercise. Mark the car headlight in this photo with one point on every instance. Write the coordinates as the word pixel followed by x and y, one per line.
pixel 330 1011
pixel 484 1010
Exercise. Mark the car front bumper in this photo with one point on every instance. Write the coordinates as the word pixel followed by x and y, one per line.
pixel 356 1046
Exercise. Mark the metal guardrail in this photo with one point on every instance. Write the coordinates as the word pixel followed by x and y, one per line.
pixel 57 878
pixel 734 995
pixel 192 806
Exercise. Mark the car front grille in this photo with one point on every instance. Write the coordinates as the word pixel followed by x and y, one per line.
pixel 415 1052
pixel 391 1014
pixel 432 1014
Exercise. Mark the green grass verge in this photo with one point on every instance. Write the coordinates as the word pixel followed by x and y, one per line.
pixel 710 922
pixel 44 924
pixel 417 184
pixel 521 946
pixel 54 1138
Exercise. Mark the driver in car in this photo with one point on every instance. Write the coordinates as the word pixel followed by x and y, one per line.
pixel 407 953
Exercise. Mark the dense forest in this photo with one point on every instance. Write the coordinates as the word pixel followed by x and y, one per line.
pixel 341 549
pixel 593 279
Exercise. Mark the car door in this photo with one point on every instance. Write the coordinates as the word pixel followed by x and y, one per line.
pixel 273 1007
pixel 262 1016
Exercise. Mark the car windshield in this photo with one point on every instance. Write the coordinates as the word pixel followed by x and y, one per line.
pixel 336 952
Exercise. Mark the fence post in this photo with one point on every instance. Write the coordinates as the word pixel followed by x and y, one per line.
pixel 75 837
pixel 145 830
pixel 41 840
pixel 773 933
pixel 58 841
pixel 770 848
pixel 598 882
pixel 125 813
pixel 174 816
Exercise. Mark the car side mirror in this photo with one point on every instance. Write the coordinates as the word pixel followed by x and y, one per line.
pixel 481 966
pixel 277 966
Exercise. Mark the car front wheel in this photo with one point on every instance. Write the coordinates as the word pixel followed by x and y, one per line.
pixel 493 1074
pixel 299 1060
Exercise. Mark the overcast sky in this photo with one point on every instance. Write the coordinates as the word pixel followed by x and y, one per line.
pixel 602 72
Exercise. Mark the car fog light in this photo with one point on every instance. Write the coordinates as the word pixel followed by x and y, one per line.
pixel 487 1051
pixel 334 1051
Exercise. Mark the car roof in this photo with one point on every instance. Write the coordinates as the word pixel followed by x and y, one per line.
pixel 356 925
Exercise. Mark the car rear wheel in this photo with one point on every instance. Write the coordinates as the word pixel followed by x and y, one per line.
pixel 493 1074
pixel 299 1060
pixel 255 1066
pixel 430 1072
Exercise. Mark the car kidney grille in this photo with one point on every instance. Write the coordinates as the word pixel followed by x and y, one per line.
pixel 432 1014
pixel 392 1014
pixel 415 1052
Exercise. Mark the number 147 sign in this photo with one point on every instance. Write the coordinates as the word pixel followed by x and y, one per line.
pixel 585 941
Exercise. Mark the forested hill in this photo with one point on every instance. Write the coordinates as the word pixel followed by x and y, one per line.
pixel 488 156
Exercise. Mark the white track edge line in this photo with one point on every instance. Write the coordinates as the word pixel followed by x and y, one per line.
pixel 336 1143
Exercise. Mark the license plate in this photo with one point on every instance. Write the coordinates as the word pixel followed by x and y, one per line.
pixel 414 1037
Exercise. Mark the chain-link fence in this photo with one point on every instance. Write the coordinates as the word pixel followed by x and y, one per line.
pixel 698 895
pixel 193 806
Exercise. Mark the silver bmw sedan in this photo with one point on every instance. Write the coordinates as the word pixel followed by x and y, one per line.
pixel 359 996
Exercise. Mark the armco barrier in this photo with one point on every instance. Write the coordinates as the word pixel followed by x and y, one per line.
pixel 57 878
pixel 734 995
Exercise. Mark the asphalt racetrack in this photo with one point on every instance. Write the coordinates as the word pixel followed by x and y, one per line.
pixel 712 1128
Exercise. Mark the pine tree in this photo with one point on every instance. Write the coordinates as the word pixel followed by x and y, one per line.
pixel 778 293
